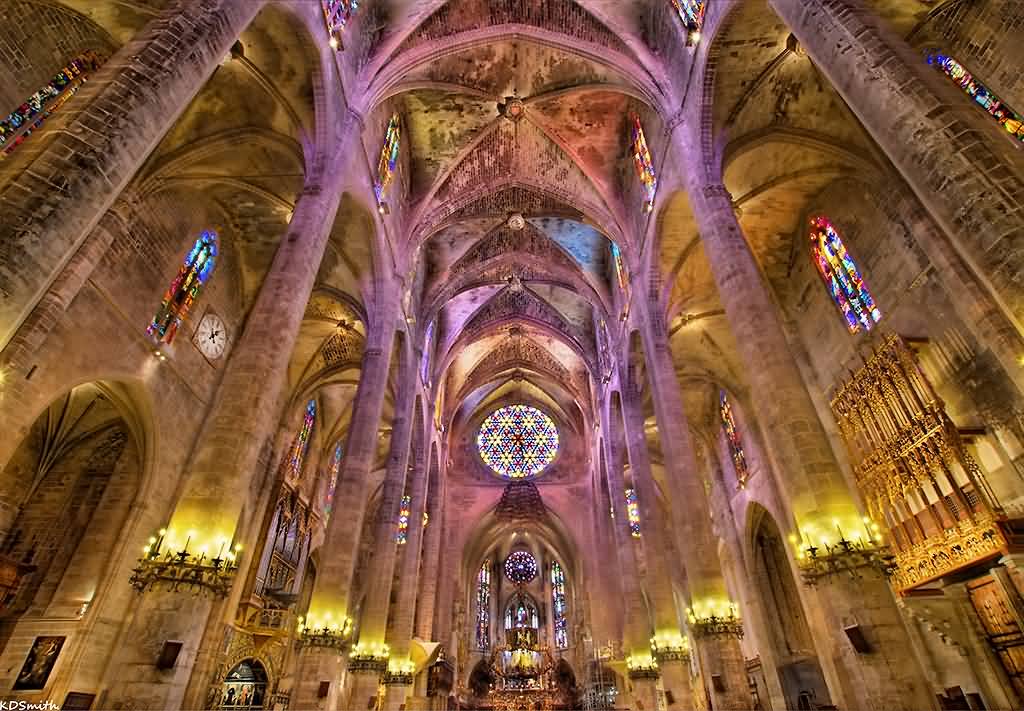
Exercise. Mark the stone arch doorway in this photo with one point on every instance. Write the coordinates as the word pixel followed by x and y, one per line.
pixel 245 686
pixel 789 632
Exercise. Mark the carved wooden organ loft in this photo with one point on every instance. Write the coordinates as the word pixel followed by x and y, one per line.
pixel 914 471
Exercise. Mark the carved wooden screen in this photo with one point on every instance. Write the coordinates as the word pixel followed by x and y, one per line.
pixel 1001 627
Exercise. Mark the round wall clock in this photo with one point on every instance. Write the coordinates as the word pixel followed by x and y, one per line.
pixel 211 336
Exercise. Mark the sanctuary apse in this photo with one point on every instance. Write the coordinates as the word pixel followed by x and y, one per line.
pixel 512 354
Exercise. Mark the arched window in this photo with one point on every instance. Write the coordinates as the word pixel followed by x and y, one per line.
pixel 620 268
pixel 633 512
pixel 521 613
pixel 643 163
pixel 300 445
pixel 388 163
pixel 337 14
pixel 404 512
pixel 483 606
pixel 428 348
pixel 558 605
pixel 185 289
pixel 732 436
pixel 691 12
pixel 1009 119
pixel 332 482
pixel 25 119
pixel 842 279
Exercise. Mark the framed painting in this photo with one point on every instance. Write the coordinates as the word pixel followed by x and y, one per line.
pixel 35 672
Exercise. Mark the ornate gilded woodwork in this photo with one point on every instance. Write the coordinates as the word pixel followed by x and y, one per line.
pixel 913 469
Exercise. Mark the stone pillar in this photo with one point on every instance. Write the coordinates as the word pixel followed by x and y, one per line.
pixel 373 625
pixel 645 691
pixel 948 149
pixel 689 509
pixel 59 184
pixel 213 498
pixel 656 583
pixel 809 475
pixel 330 601
pixel 675 678
pixel 973 302
pixel 426 601
pixel 401 630
pixel 637 625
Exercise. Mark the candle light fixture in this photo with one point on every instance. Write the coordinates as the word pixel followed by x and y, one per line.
pixel 163 567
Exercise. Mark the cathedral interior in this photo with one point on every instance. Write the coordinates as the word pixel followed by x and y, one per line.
pixel 519 355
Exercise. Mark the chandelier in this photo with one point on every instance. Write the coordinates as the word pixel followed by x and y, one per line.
pixel 177 570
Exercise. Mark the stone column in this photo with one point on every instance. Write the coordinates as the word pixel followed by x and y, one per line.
pixel 427 600
pixel 637 625
pixel 809 474
pixel 59 184
pixel 214 494
pixel 373 625
pixel 947 148
pixel 656 583
pixel 330 601
pixel 717 648
pixel 408 558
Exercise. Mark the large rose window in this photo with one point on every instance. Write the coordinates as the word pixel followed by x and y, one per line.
pixel 517 441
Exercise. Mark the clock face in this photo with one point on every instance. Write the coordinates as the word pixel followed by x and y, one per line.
pixel 212 336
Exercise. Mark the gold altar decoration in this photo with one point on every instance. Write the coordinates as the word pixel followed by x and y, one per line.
pixel 913 469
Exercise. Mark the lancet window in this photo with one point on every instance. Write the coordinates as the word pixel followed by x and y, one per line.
pixel 300 445
pixel 18 125
pixel 633 512
pixel 643 163
pixel 691 12
pixel 337 15
pixel 428 347
pixel 620 268
pixel 732 437
pixel 185 289
pixel 332 482
pixel 558 605
pixel 404 512
pixel 1010 120
pixel 842 278
pixel 483 606
pixel 388 163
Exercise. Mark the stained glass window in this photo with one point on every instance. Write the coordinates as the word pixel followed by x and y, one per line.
pixel 521 567
pixel 301 443
pixel 1009 119
pixel 558 605
pixel 185 289
pixel 404 513
pixel 483 606
pixel 620 268
pixel 428 346
pixel 643 163
pixel 633 512
pixel 517 441
pixel 332 482
pixel 337 14
pixel 388 163
pixel 691 12
pixel 521 613
pixel 842 279
pixel 20 123
pixel 732 436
